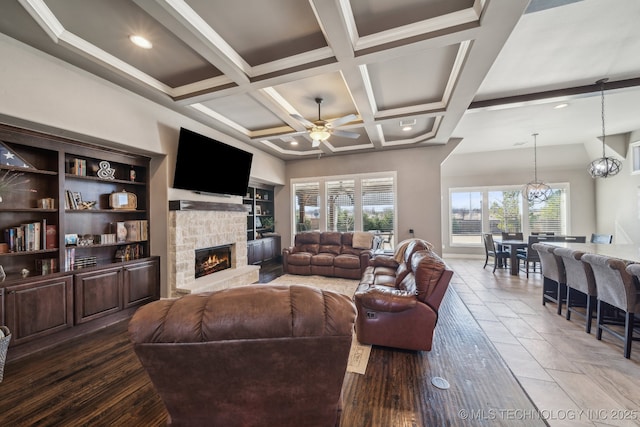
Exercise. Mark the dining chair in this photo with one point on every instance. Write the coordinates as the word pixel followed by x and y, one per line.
pixel 618 298
pixel 529 256
pixel 500 257
pixel 603 239
pixel 571 239
pixel 554 284
pixel 543 233
pixel 513 235
pixel 581 285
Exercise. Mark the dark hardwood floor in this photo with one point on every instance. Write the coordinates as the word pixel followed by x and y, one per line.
pixel 97 380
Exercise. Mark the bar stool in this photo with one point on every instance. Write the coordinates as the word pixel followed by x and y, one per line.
pixel 554 287
pixel 617 290
pixel 581 285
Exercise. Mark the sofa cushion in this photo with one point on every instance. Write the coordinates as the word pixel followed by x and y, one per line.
pixel 428 268
pixel 307 242
pixel 322 259
pixel 362 240
pixel 408 283
pixel 299 258
pixel 330 242
pixel 347 261
pixel 401 272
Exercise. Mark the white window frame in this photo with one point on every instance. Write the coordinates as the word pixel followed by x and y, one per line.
pixel 524 208
pixel 357 194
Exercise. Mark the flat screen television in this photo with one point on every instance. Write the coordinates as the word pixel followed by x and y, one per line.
pixel 206 165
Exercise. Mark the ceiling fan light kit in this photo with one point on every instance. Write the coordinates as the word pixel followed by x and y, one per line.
pixel 604 167
pixel 320 130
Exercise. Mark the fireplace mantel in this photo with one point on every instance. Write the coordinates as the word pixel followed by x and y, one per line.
pixel 192 205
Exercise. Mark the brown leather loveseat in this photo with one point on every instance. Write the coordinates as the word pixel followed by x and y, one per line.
pixel 399 296
pixel 255 355
pixel 329 253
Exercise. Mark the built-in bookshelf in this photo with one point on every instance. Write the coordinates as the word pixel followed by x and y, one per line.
pixel 75 242
pixel 262 243
pixel 261 213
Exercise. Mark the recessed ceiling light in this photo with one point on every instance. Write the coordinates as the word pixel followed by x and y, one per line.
pixel 294 142
pixel 559 106
pixel 140 41
pixel 407 125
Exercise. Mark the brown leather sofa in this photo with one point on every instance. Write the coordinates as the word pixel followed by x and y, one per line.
pixel 256 355
pixel 328 253
pixel 398 297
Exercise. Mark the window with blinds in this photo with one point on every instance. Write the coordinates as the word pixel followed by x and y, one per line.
pixel 505 211
pixel 466 217
pixel 340 204
pixel 378 204
pixel 362 202
pixel 494 210
pixel 551 215
pixel 307 206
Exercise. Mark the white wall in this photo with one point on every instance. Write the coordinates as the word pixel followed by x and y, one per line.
pixel 618 200
pixel 42 93
pixel 557 164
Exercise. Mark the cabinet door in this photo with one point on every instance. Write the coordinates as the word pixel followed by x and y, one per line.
pixel 268 246
pixel 141 283
pixel 255 251
pixel 97 294
pixel 39 308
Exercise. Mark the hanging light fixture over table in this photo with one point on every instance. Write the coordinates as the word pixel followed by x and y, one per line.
pixel 604 167
pixel 536 191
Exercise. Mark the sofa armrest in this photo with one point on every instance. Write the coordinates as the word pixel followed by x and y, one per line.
pixel 380 298
pixel 384 261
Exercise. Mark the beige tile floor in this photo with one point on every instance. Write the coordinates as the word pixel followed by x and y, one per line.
pixel 573 379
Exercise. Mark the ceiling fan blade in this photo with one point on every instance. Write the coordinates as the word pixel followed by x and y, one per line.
pixel 341 121
pixel 315 143
pixel 302 120
pixel 345 133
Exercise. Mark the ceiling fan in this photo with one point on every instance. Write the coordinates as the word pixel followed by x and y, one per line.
pixel 320 130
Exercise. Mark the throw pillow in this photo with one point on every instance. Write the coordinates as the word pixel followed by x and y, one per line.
pixel 362 240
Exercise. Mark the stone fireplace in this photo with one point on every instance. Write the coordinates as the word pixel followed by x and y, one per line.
pixel 197 225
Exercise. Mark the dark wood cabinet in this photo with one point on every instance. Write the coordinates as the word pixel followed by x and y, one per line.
pixel 39 308
pixel 97 294
pixel 74 235
pixel 140 283
pixel 265 249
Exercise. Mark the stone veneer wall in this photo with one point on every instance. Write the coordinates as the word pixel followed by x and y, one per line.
pixel 195 229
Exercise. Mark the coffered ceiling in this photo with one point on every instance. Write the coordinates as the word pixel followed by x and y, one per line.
pixel 247 67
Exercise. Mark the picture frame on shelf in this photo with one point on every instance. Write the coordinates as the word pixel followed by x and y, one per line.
pixel 258 210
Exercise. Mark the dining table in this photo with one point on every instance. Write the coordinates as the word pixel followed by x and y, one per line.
pixel 513 246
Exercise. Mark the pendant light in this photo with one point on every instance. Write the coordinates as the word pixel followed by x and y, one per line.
pixel 536 191
pixel 604 167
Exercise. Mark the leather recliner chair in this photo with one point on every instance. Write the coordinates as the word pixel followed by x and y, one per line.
pixel 256 355
pixel 398 301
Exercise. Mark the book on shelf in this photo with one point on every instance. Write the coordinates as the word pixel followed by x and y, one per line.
pixel 69 259
pixel 51 236
pixel 26 237
pixel 46 265
pixel 78 167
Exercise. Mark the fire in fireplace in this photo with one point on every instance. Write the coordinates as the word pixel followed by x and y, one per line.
pixel 211 260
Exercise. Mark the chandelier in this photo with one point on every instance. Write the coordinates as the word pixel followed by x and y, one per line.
pixel 604 167
pixel 536 191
